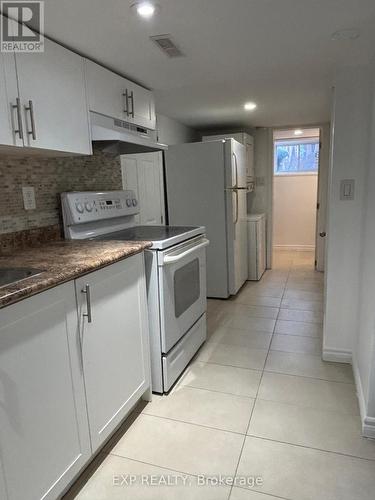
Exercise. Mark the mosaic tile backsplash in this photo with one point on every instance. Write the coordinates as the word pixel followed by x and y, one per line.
pixel 50 177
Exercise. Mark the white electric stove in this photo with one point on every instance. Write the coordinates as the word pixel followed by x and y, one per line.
pixel 175 271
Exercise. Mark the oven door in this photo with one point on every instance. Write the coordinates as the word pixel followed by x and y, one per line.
pixel 182 289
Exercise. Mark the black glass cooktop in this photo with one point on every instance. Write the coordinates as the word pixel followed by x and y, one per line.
pixel 147 233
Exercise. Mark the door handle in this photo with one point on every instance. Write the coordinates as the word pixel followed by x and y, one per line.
pixel 88 315
pixel 131 96
pixel 126 96
pixel 323 234
pixel 170 259
pixel 30 108
pixel 236 169
pixel 17 106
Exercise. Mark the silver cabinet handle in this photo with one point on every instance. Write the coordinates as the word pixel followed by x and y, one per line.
pixel 88 315
pixel 30 108
pixel 131 96
pixel 126 96
pixel 17 106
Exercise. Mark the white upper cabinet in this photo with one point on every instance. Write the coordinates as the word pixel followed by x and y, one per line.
pixel 113 316
pixel 52 93
pixel 111 95
pixel 44 437
pixel 10 106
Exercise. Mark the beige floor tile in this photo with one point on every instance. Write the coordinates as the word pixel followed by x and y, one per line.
pixel 263 291
pixel 257 300
pixel 298 328
pixel 249 323
pixel 300 295
pixel 197 406
pixel 306 305
pixel 294 343
pixel 309 392
pixel 308 365
pixel 187 448
pixel 242 494
pixel 248 310
pixel 298 473
pixel 242 338
pixel 224 354
pixel 108 483
pixel 221 378
pixel 320 429
pixel 298 315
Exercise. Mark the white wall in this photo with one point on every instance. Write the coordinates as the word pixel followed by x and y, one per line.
pixel 364 350
pixel 294 211
pixel 349 161
pixel 173 132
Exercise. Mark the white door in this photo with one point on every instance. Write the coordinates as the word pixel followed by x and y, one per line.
pixel 106 91
pixel 114 335
pixel 321 217
pixel 44 436
pixel 11 131
pixel 52 93
pixel 141 106
pixel 144 174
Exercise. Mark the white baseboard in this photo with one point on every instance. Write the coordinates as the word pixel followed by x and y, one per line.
pixel 368 423
pixel 295 248
pixel 337 355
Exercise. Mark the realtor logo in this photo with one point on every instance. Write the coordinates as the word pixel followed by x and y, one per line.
pixel 15 34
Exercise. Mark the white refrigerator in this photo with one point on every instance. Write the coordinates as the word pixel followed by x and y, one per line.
pixel 206 186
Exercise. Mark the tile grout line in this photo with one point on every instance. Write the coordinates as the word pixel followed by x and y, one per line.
pixel 256 396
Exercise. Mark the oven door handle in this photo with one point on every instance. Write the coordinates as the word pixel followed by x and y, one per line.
pixel 171 259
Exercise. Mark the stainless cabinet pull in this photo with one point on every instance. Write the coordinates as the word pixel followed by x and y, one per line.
pixel 30 108
pixel 17 106
pixel 126 96
pixel 88 315
pixel 131 96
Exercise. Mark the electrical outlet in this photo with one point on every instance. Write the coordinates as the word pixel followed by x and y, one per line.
pixel 28 193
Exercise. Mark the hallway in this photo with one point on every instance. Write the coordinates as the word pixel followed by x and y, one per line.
pixel 257 403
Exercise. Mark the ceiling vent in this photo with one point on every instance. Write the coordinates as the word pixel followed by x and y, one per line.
pixel 167 45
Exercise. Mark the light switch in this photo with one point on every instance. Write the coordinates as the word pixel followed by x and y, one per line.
pixel 28 193
pixel 347 189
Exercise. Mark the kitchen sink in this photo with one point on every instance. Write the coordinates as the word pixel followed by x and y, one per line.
pixel 11 275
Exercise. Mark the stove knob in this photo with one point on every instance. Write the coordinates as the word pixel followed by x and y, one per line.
pixel 79 208
pixel 88 206
pixel 135 202
pixel 128 203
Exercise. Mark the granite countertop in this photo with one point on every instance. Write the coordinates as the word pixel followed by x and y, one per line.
pixel 62 261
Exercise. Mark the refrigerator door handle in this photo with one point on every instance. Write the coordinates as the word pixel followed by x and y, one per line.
pixel 236 169
pixel 236 218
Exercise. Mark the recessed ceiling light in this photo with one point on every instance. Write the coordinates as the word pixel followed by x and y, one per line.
pixel 145 9
pixel 346 34
pixel 250 106
pixel 298 131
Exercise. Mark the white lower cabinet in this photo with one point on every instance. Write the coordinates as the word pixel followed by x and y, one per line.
pixel 44 439
pixel 67 383
pixel 115 344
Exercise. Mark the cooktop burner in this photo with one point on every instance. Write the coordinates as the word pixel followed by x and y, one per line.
pixel 147 233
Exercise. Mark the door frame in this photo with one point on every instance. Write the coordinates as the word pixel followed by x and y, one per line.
pixel 322 194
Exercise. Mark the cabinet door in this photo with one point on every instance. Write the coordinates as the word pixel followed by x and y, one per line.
pixel 54 83
pixel 44 436
pixel 105 91
pixel 114 340
pixel 141 106
pixel 10 120
pixel 144 174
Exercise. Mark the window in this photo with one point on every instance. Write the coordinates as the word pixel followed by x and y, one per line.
pixel 296 156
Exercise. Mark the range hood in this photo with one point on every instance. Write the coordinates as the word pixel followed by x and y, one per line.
pixel 120 137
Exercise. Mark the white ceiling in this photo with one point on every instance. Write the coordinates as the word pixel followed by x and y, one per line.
pixel 278 53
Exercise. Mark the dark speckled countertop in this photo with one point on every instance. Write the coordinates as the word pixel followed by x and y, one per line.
pixel 62 261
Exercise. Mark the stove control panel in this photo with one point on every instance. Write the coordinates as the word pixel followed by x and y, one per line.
pixel 91 206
